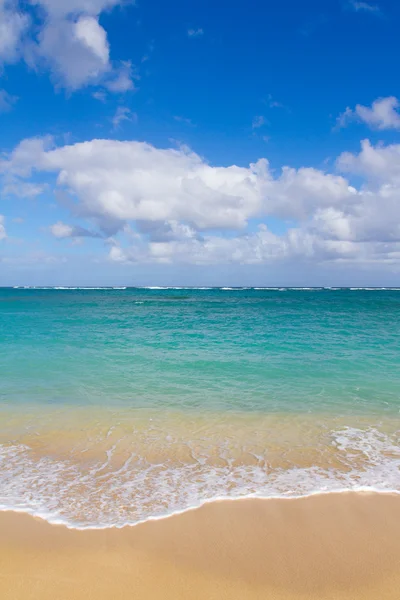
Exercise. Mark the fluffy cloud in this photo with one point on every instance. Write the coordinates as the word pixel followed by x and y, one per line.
pixel 380 163
pixel 76 52
pixel 376 214
pixel 61 230
pixel 136 181
pixel 383 114
pixel 13 25
pixel 258 248
pixel 171 205
pixel 69 42
pixel 250 249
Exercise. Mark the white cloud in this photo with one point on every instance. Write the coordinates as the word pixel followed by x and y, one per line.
pixel 62 8
pixel 118 255
pixel 376 214
pixel 251 249
pixel 6 101
pixel 13 186
pixel 195 32
pixel 13 25
pixel 77 53
pixel 136 181
pixel 260 247
pixel 383 114
pixel 171 205
pixel 298 193
pixel 23 157
pixel 88 31
pixel 379 162
pixel 132 180
pixel 121 78
pixel 66 39
pixel 3 233
pixel 62 230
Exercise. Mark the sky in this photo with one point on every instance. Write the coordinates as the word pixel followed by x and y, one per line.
pixel 199 143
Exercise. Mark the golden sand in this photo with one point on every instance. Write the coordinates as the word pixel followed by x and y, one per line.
pixel 329 547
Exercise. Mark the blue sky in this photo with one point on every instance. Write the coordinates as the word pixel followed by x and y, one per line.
pixel 199 143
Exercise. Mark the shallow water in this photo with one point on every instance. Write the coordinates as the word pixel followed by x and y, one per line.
pixel 119 405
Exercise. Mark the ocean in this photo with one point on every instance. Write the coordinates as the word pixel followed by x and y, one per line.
pixel 119 405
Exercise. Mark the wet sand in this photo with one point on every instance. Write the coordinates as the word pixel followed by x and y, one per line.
pixel 325 547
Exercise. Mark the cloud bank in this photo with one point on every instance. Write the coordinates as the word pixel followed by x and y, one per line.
pixel 168 205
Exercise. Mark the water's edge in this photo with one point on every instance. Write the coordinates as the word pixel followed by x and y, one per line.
pixel 68 525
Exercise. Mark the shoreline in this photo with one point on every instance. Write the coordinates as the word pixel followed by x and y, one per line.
pixel 332 546
pixel 87 470
pixel 58 522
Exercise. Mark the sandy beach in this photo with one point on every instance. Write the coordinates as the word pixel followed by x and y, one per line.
pixel 332 546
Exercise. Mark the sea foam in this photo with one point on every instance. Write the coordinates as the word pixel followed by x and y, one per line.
pixel 63 492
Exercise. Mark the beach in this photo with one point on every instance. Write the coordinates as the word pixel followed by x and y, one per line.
pixel 122 405
pixel 199 300
pixel 323 547
pixel 199 444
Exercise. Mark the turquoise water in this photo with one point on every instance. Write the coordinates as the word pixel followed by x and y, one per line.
pixel 204 349
pixel 300 373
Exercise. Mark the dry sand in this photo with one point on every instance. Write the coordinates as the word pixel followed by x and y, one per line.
pixel 333 546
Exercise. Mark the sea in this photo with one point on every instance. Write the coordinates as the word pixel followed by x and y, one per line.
pixel 120 405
